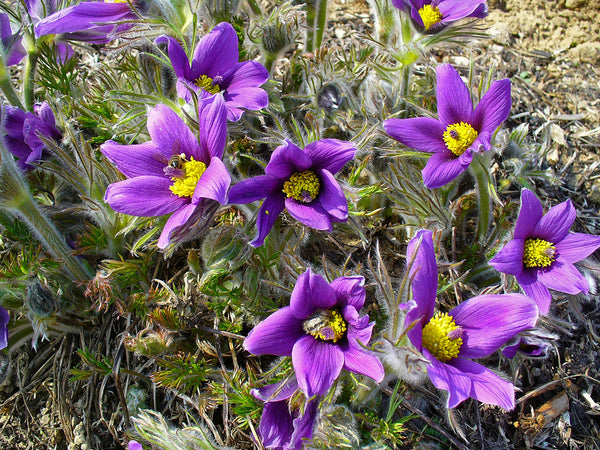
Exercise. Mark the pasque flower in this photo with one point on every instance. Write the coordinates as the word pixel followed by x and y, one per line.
pixel 432 15
pixel 321 330
pixel 21 132
pixel 172 173
pixel 215 67
pixel 301 181
pixel 459 131
pixel 543 251
pixel 3 328
pixel 12 45
pixel 474 329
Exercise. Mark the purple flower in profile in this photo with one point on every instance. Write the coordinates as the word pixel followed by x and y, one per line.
pixel 543 251
pixel 4 317
pixel 134 445
pixel 301 181
pixel 216 68
pixel 172 173
pixel 322 332
pixel 459 131
pixel 22 132
pixel 284 424
pixel 433 15
pixel 474 329
pixel 535 343
pixel 12 45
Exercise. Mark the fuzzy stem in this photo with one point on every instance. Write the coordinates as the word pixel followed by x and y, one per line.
pixel 7 87
pixel 479 170
pixel 255 7
pixel 311 13
pixel 321 22
pixel 29 79
pixel 404 88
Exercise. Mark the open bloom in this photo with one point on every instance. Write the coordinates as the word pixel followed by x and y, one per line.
pixel 134 445
pixel 474 329
pixel 3 328
pixel 22 131
pixel 172 173
pixel 216 68
pixel 12 45
pixel 322 332
pixel 301 181
pixel 543 251
pixel 459 131
pixel 432 15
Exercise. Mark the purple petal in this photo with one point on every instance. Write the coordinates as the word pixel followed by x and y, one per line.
pixel 349 291
pixel 252 189
pixel 249 74
pixel 276 391
pixel 453 10
pixel 267 215
pixel 177 55
pixel 555 225
pixel 311 214
pixel 420 133
pixel 276 335
pixel 276 425
pixel 216 54
pixel 420 257
pixel 535 289
pixel 529 215
pixel 178 219
pixel 563 277
pixel 304 425
pixel 330 154
pixel 576 246
pixel 510 258
pixel 489 321
pixel 286 160
pixel 453 97
pixel 134 445
pixel 212 114
pixel 185 88
pixel 444 167
pixel 331 197
pixel 317 365
pixel 311 293
pixel 450 379
pixel 494 107
pixel 144 196
pixel 4 318
pixel 214 183
pixel 64 52
pixel 360 361
pixel 137 159
pixel 251 98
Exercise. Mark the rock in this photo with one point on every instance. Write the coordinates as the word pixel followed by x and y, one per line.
pixel 574 4
pixel 588 52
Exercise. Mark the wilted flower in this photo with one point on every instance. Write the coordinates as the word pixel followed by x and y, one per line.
pixel 22 131
pixel 12 45
pixel 4 317
pixel 432 15
pixel 543 251
pixel 301 181
pixel 216 68
pixel 474 329
pixel 322 332
pixel 459 131
pixel 172 173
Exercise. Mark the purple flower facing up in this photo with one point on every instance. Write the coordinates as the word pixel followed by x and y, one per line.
pixel 22 131
pixel 322 332
pixel 474 329
pixel 172 173
pixel 216 68
pixel 301 181
pixel 12 45
pixel 543 251
pixel 433 15
pixel 459 132
pixel 4 317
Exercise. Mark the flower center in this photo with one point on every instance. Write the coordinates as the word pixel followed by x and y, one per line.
pixel 191 171
pixel 208 84
pixel 302 186
pixel 538 253
pixel 326 325
pixel 430 15
pixel 458 137
pixel 442 337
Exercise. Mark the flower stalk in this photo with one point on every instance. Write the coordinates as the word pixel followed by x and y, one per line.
pixel 7 88
pixel 485 189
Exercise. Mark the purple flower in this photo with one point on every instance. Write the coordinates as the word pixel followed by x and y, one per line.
pixel 22 131
pixel 135 445
pixel 322 332
pixel 172 173
pixel 4 317
pixel 11 43
pixel 283 424
pixel 216 68
pixel 460 130
pixel 432 15
pixel 474 329
pixel 535 343
pixel 301 181
pixel 543 251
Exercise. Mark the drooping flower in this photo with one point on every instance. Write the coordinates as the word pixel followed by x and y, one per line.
pixel 301 181
pixel 536 343
pixel 432 15
pixel 172 173
pixel 12 45
pixel 215 67
pixel 321 330
pixel 4 318
pixel 459 131
pixel 284 424
pixel 474 329
pixel 543 251
pixel 21 132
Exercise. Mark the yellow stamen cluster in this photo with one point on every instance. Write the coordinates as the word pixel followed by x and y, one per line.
pixel 192 172
pixel 459 137
pixel 302 186
pixel 326 325
pixel 208 85
pixel 436 337
pixel 538 253
pixel 430 16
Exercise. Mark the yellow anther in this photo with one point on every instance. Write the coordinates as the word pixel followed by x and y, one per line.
pixel 430 16
pixel 208 85
pixel 192 172
pixel 326 325
pixel 459 136
pixel 302 186
pixel 538 253
pixel 441 336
